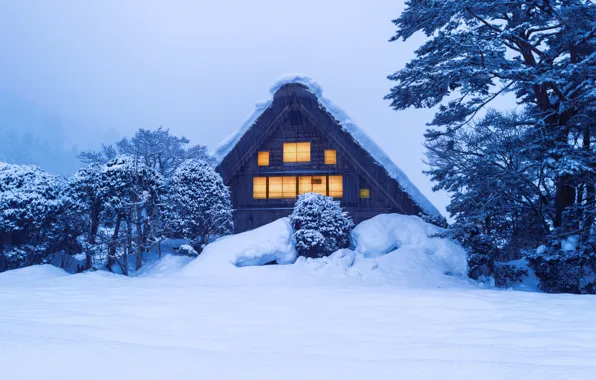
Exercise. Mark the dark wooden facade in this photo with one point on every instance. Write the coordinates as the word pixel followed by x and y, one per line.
pixel 295 115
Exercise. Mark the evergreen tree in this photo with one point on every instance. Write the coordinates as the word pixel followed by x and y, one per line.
pixel 29 207
pixel 83 191
pixel 515 180
pixel 131 194
pixel 321 227
pixel 198 206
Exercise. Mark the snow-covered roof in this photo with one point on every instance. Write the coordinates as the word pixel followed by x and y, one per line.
pixel 226 146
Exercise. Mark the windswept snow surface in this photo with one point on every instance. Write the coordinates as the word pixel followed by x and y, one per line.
pixel 347 316
pixel 226 146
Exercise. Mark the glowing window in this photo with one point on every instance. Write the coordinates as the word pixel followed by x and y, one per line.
pixel 259 188
pixel 330 157
pixel 276 187
pixel 263 159
pixel 336 186
pixel 364 193
pixel 297 152
pixel 315 184
pixel 289 187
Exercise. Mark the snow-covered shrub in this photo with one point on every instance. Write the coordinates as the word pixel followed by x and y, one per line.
pixel 130 192
pixel 507 275
pixel 29 206
pixel 188 250
pixel 564 267
pixel 198 205
pixel 321 226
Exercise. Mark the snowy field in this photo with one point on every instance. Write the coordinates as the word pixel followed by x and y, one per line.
pixel 351 316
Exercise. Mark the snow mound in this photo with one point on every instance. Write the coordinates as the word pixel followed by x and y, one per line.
pixel 361 138
pixel 408 235
pixel 169 264
pixel 32 275
pixel 270 243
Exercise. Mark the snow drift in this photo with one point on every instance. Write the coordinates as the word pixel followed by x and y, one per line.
pixel 270 243
pixel 390 249
pixel 388 232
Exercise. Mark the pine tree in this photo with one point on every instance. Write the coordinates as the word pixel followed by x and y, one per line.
pixel 198 206
pixel 29 207
pixel 540 174
pixel 131 193
pixel 321 227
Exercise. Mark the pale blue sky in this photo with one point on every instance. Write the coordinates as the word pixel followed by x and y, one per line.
pixel 109 67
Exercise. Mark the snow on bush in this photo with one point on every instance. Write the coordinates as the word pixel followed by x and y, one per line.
pixel 29 207
pixel 267 244
pixel 389 232
pixel 320 225
pixel 199 205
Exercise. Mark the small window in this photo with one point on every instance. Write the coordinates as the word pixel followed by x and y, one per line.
pixel 364 193
pixel 259 188
pixel 263 159
pixel 330 157
pixel 336 186
pixel 297 152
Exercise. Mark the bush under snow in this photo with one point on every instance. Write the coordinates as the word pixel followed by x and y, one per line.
pixel 389 232
pixel 320 225
pixel 267 244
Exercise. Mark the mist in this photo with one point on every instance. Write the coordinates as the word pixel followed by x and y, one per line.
pixel 93 72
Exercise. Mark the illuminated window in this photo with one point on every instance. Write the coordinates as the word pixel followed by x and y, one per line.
pixel 297 152
pixel 315 184
pixel 364 193
pixel 330 157
pixel 259 188
pixel 336 187
pixel 289 187
pixel 276 187
pixel 263 159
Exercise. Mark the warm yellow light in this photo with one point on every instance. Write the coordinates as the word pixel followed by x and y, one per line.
pixel 289 187
pixel 263 159
pixel 336 186
pixel 303 152
pixel 315 184
pixel 259 188
pixel 330 157
pixel 297 152
pixel 275 187
pixel 364 193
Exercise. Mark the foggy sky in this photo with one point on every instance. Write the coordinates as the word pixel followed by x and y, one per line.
pixel 109 67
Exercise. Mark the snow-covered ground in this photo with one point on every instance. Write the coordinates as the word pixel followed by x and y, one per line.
pixel 354 315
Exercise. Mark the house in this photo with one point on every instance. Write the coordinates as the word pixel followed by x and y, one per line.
pixel 301 142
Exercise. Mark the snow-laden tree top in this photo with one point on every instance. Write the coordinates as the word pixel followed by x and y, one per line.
pixel 381 158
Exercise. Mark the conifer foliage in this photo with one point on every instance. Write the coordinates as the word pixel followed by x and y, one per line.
pixel 30 204
pixel 321 226
pixel 523 179
pixel 123 203
pixel 198 206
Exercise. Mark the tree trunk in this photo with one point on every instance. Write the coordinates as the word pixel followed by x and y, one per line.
pixel 94 227
pixel 140 243
pixel 112 248
pixel 564 197
pixel 128 249
pixel 590 189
